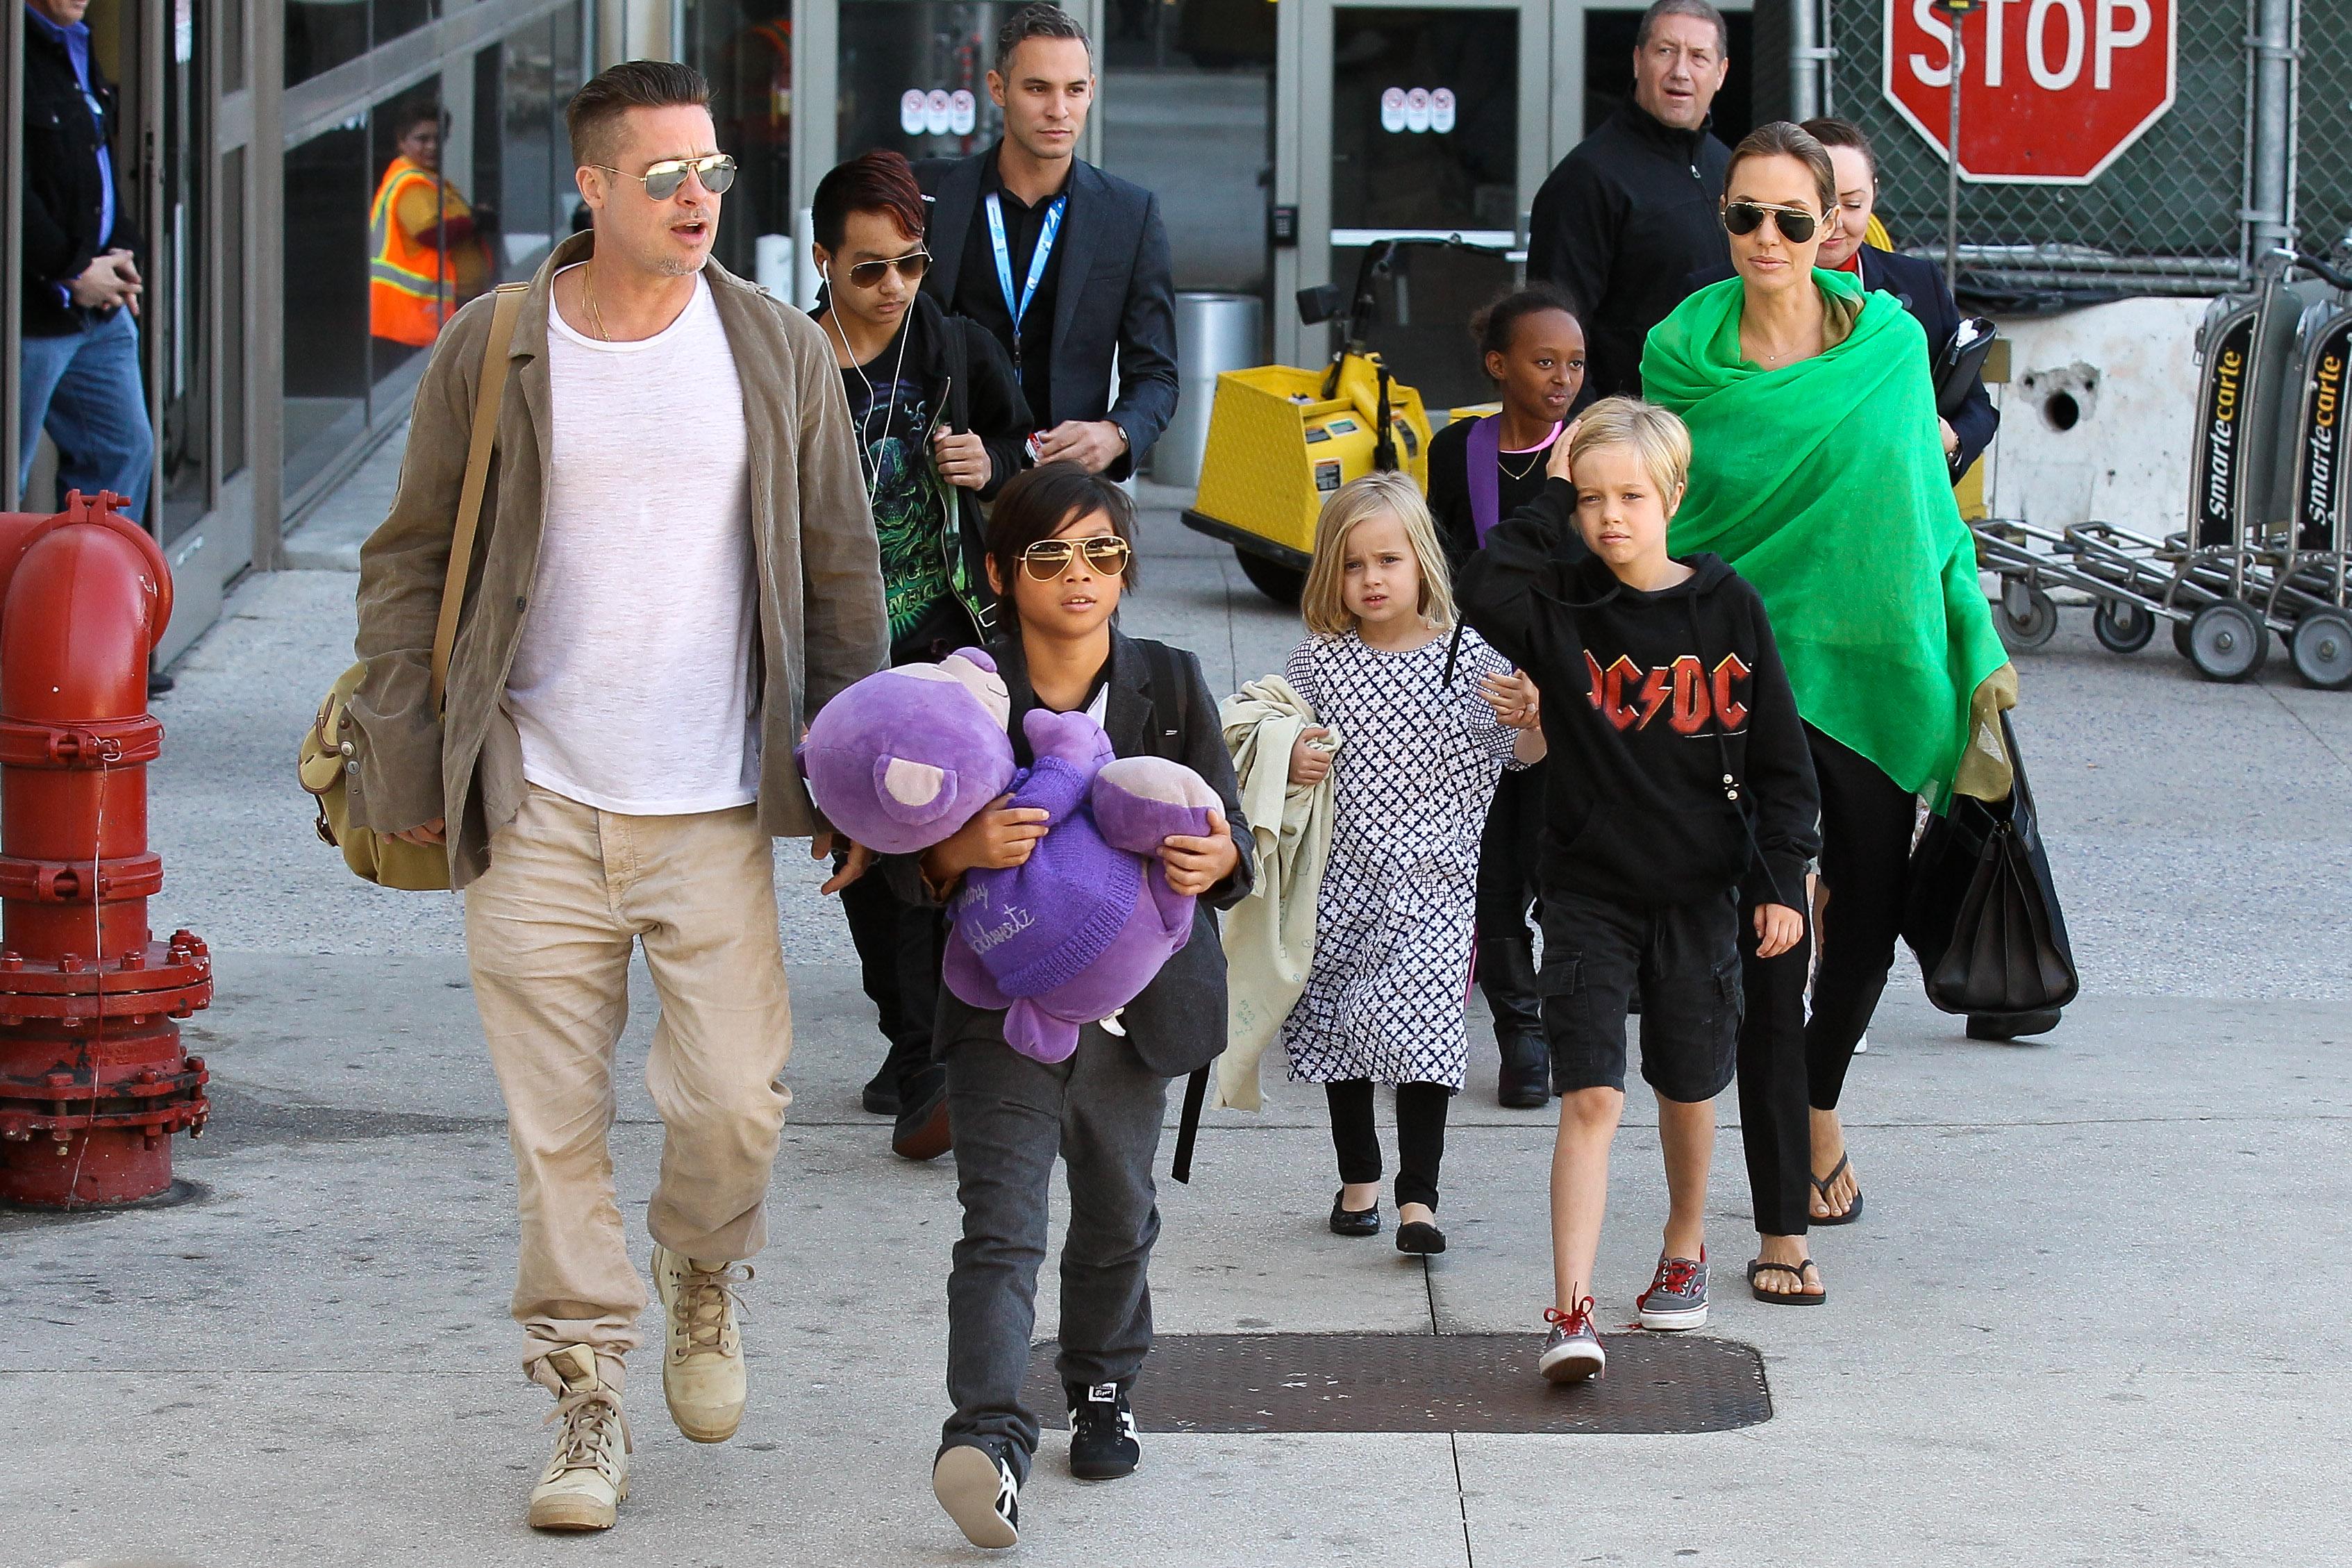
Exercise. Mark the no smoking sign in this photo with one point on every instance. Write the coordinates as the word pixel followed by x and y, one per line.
pixel 2052 91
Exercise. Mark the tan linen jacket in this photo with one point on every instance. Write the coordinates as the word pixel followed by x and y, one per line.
pixel 822 622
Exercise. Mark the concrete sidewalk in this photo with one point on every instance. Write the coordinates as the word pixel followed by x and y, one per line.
pixel 2090 1313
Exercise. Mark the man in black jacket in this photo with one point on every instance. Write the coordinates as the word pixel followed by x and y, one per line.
pixel 81 302
pixel 1067 265
pixel 1633 210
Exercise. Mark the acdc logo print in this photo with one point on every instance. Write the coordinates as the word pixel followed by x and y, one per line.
pixel 1686 691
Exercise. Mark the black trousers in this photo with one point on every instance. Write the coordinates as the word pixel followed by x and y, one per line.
pixel 899 949
pixel 1420 1136
pixel 1508 850
pixel 1789 1066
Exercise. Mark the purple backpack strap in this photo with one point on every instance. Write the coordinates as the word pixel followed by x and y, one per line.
pixel 1485 449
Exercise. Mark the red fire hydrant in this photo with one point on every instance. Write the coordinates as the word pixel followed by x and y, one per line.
pixel 93 1083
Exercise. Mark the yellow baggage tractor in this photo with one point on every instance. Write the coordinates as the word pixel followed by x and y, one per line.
pixel 1281 439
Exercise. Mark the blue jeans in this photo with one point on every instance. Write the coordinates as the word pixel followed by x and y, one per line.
pixel 84 389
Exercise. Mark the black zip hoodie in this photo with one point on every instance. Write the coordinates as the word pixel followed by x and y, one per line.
pixel 1668 716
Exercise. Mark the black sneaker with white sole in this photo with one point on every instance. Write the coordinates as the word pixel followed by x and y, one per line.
pixel 1102 1434
pixel 981 1493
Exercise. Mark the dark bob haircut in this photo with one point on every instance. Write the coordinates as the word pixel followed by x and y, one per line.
pixel 1041 502
pixel 881 181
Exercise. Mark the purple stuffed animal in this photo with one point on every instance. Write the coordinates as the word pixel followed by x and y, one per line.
pixel 907 756
pixel 1075 933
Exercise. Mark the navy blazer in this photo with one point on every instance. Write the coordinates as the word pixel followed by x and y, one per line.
pixel 1919 286
pixel 1113 295
pixel 1177 1022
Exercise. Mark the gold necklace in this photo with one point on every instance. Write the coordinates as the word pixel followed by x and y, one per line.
pixel 1537 456
pixel 588 280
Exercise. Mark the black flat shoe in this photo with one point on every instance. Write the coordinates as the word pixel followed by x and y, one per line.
pixel 1346 1221
pixel 1421 1238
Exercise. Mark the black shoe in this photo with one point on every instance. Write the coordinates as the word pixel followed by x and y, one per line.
pixel 880 1095
pixel 1525 1082
pixel 1102 1434
pixel 1420 1238
pixel 1346 1221
pixel 981 1493
pixel 921 1131
pixel 159 683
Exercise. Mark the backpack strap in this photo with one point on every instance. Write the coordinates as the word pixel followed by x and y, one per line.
pixel 488 395
pixel 1171 714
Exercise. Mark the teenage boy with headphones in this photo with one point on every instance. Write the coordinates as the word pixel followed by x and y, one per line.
pixel 939 422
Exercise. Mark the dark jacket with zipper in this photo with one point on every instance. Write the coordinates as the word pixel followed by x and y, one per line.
pixel 1650 700
pixel 1177 1022
pixel 982 400
pixel 1626 217
pixel 64 197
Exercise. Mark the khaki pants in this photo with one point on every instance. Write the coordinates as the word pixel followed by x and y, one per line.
pixel 548 933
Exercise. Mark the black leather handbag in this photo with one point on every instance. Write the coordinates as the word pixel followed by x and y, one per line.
pixel 1980 910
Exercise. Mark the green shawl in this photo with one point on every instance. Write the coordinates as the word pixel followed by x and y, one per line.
pixel 1824 483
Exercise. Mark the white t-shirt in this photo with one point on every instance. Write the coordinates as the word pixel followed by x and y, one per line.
pixel 632 688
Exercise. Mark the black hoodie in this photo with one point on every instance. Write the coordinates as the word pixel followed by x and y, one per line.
pixel 1649 701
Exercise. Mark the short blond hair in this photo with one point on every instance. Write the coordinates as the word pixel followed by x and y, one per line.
pixel 1658 437
pixel 1321 602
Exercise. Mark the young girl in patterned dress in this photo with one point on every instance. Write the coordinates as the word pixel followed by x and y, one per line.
pixel 1424 746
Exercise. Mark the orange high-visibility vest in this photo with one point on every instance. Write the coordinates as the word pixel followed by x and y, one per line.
pixel 412 287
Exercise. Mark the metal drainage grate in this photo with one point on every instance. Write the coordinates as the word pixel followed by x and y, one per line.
pixel 1428 1382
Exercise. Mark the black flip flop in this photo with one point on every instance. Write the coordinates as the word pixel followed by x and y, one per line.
pixel 1821 1186
pixel 1797 1297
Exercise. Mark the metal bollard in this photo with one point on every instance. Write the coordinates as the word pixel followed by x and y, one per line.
pixel 93 1082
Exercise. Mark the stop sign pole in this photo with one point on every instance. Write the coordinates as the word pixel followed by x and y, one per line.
pixel 1957 10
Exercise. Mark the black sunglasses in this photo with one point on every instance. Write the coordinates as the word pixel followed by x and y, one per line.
pixel 1796 225
pixel 911 267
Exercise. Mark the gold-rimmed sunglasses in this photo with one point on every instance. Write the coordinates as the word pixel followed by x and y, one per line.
pixel 1049 558
pixel 1796 225
pixel 911 267
pixel 661 181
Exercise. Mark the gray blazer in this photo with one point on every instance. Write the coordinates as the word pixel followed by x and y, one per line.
pixel 1178 1022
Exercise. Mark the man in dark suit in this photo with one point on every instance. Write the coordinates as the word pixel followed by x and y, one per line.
pixel 1631 210
pixel 1067 266
pixel 1919 284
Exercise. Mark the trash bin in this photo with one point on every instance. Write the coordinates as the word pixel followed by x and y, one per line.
pixel 1214 333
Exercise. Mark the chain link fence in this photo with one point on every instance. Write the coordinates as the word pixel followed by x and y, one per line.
pixel 2322 184
pixel 2170 215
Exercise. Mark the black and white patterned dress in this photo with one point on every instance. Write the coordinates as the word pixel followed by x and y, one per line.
pixel 1417 765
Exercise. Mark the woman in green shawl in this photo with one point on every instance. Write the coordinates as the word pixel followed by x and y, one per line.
pixel 1820 476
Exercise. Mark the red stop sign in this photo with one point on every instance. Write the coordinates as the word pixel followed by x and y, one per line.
pixel 2052 91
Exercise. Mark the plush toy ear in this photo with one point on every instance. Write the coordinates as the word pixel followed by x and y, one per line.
pixel 912 792
pixel 977 671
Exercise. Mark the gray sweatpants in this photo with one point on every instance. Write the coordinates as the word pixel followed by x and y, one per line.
pixel 1100 1110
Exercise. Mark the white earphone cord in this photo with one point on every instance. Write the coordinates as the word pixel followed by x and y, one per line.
pixel 866 446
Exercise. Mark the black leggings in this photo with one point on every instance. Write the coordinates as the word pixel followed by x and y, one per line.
pixel 1508 850
pixel 1420 1136
pixel 1787 1065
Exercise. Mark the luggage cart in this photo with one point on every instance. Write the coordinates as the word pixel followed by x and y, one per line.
pixel 2231 578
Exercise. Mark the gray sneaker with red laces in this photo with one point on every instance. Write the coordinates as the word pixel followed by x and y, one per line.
pixel 1676 1297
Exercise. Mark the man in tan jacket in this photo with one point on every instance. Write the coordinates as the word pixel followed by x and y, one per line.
pixel 676 568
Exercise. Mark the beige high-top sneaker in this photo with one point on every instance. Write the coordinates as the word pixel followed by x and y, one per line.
pixel 702 1364
pixel 584 1484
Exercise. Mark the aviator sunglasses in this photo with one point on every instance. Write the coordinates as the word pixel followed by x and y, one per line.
pixel 911 268
pixel 717 172
pixel 1796 225
pixel 1049 558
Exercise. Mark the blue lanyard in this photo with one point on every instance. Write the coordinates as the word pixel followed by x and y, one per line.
pixel 1036 260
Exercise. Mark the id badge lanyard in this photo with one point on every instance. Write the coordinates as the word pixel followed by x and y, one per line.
pixel 1019 308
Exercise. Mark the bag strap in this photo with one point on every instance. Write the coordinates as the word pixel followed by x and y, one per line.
pixel 487 397
pixel 1170 692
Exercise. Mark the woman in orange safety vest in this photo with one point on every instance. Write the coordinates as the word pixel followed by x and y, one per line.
pixel 427 251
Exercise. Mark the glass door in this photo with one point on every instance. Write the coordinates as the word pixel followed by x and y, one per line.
pixel 1422 123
